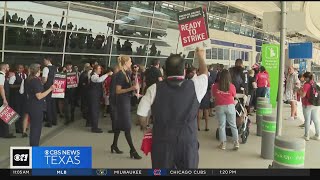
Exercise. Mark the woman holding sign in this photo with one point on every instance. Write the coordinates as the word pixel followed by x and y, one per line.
pixel 35 103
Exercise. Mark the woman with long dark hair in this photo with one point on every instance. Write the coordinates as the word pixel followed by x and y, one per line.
pixel 35 102
pixel 310 112
pixel 122 122
pixel 224 92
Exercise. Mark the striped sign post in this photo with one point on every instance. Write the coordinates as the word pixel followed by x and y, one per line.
pixel 289 153
pixel 262 110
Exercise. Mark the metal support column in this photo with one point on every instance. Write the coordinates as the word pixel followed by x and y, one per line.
pixel 282 61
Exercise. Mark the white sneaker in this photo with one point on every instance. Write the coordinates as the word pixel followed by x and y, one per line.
pixel 306 138
pixel 236 145
pixel 290 119
pixel 223 145
pixel 317 138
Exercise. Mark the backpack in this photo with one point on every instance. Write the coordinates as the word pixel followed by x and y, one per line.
pixel 314 98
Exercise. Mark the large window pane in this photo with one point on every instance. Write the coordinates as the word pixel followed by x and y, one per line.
pixel 226 54
pixel 29 58
pixel 195 4
pixel 36 20
pixel 232 27
pixel 88 43
pixel 130 46
pixel 208 54
pixel 233 55
pixel 133 25
pixel 1 36
pixel 165 45
pixel 216 22
pixel 29 39
pixel 248 19
pixel 220 54
pixel 104 4
pixel 246 31
pixel 257 34
pixel 169 9
pixel 2 3
pixel 141 5
pixel 80 60
pixel 1 15
pixel 234 14
pixel 218 9
pixel 214 53
pixel 52 7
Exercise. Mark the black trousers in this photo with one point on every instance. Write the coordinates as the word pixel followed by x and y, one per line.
pixel 36 118
pixel 84 106
pixel 18 107
pixel 94 112
pixel 51 110
pixel 68 108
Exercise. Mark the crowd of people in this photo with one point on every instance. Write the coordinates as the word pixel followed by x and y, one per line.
pixel 171 101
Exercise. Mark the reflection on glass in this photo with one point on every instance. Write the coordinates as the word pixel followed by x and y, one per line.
pixel 29 39
pixel 246 31
pixel 104 4
pixel 87 26
pixel 234 14
pixel 1 36
pixel 232 27
pixel 226 54
pixel 216 22
pixel 35 20
pixel 214 53
pixel 29 58
pixel 54 7
pixel 127 5
pixel 195 4
pixel 169 9
pixel 220 54
pixel 248 19
pixel 208 53
pixel 88 43
pixel 257 34
pixel 80 60
pixel 130 46
pixel 218 9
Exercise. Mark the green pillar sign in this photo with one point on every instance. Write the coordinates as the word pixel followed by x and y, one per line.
pixel 271 61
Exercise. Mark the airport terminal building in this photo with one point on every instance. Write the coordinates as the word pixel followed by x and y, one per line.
pixel 79 31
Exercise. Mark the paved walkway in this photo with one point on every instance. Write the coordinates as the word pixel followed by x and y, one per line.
pixel 248 156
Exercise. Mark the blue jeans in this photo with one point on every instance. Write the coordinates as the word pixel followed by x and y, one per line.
pixel 227 113
pixel 311 113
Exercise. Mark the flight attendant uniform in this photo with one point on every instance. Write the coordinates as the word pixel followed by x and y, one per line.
pixel 123 104
pixel 95 95
pixel 112 99
pixel 174 106
pixel 17 100
pixel 69 103
pixel 35 109
pixel 50 102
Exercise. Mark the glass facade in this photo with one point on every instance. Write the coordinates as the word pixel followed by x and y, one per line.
pixel 81 31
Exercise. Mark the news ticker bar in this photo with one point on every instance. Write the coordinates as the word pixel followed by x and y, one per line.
pixel 159 172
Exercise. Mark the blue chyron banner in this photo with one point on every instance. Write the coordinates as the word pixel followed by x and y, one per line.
pixel 61 157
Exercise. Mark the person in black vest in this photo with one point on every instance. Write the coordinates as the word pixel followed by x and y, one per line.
pixel 124 90
pixel 48 74
pixel 16 99
pixel 95 95
pixel 69 99
pixel 83 91
pixel 174 104
pixel 35 102
pixel 112 96
pixel 4 92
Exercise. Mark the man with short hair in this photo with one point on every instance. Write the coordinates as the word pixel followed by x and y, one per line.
pixel 239 77
pixel 4 94
pixel 153 74
pixel 174 104
pixel 48 74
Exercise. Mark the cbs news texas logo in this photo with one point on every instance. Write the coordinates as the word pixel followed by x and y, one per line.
pixel 50 157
